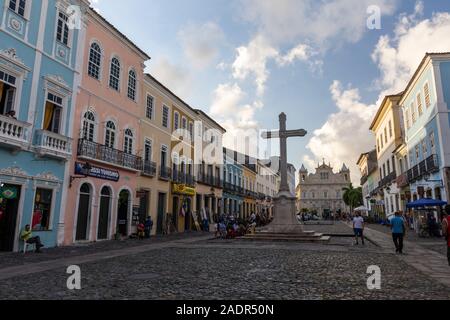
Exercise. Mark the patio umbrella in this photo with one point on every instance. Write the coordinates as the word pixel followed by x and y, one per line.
pixel 423 203
pixel 362 208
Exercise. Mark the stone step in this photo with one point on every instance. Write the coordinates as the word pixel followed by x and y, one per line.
pixel 281 238
pixel 287 235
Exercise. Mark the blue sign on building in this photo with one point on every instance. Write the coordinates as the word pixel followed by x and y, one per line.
pixel 39 41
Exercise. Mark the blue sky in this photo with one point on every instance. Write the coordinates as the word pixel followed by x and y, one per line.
pixel 245 61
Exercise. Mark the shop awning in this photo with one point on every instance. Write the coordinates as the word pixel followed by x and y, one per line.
pixel 423 203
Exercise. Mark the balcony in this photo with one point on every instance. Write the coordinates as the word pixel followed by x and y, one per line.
pixel 164 173
pixel 402 180
pixel 364 179
pixel 426 167
pixel 388 179
pixel 149 169
pixel 93 151
pixel 206 179
pixel 53 145
pixel 13 133
pixel 218 183
pixel 229 187
pixel 183 178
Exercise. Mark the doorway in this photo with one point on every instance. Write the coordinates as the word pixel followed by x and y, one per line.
pixel 104 214
pixel 188 214
pixel 84 212
pixel 9 208
pixel 161 210
pixel 123 212
pixel 175 212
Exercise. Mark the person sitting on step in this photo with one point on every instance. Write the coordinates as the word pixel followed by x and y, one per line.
pixel 27 236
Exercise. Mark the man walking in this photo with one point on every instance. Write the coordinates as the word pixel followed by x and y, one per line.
pixel 446 230
pixel 358 227
pixel 398 232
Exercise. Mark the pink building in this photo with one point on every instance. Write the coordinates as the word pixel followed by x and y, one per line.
pixel 106 161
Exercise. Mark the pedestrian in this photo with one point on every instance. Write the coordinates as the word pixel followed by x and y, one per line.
pixel 398 232
pixel 27 236
pixel 148 227
pixel 446 229
pixel 358 227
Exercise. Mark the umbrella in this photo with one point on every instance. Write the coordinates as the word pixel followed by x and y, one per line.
pixel 362 208
pixel 422 203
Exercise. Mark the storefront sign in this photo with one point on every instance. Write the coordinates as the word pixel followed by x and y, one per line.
pixel 96 172
pixel 183 189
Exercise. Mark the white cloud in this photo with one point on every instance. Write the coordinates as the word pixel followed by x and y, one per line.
pixel 346 135
pixel 325 23
pixel 175 77
pixel 201 43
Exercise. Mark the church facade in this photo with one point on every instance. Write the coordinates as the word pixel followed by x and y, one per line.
pixel 321 192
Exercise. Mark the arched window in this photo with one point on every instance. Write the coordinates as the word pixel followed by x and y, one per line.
pixel 128 142
pixel 95 59
pixel 89 126
pixel 110 135
pixel 114 77
pixel 132 85
pixel 176 121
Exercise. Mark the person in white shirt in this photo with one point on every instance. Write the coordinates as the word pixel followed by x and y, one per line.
pixel 358 227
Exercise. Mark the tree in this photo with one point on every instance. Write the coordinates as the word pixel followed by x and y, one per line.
pixel 353 197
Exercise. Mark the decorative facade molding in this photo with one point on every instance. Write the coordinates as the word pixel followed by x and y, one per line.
pixel 47 176
pixel 10 55
pixel 58 81
pixel 14 171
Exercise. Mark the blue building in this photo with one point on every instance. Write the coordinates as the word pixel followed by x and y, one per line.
pixel 425 104
pixel 39 76
pixel 233 191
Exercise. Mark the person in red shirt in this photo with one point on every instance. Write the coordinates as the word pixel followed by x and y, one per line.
pixel 446 229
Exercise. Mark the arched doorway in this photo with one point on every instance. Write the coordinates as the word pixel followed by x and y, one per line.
pixel 104 213
pixel 123 209
pixel 84 212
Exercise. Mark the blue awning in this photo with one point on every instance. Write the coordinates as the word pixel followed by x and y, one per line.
pixel 423 203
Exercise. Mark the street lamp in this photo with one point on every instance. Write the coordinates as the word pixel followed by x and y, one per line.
pixel 85 170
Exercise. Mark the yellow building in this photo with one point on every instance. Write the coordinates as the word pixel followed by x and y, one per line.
pixel 155 128
pixel 209 168
pixel 250 194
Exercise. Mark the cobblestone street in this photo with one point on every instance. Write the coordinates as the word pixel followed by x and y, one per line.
pixel 197 267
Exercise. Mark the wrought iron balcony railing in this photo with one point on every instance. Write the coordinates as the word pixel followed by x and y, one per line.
pixel 164 173
pixel 149 168
pixel 99 152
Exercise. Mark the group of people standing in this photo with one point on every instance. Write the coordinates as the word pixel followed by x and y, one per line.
pixel 399 226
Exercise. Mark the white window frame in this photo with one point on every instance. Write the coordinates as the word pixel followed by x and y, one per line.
pixel 128 138
pixel 84 120
pixel 176 120
pixel 26 14
pixel 63 106
pixel 110 73
pixel 134 89
pixel 152 113
pixel 111 130
pixel 100 66
pixel 165 108
pixel 427 86
pixel 69 32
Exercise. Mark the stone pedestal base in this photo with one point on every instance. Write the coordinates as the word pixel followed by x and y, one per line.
pixel 285 220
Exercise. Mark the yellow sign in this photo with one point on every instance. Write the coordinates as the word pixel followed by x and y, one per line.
pixel 183 189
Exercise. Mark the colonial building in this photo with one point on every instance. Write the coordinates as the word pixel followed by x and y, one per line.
pixel 40 66
pixel 387 127
pixel 322 191
pixel 267 188
pixel 101 200
pixel 368 166
pixel 425 104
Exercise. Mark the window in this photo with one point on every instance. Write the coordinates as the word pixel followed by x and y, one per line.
pixel 191 130
pixel 424 149
pixel 18 7
pixel 413 113
pixel 149 110
pixel 419 104
pixel 432 143
pixel 95 58
pixel 53 111
pixel 42 210
pixel 378 145
pixel 325 194
pixel 7 92
pixel 176 120
pixel 184 123
pixel 388 167
pixel 89 126
pixel 128 142
pixel 426 90
pixel 408 123
pixel 163 156
pixel 132 85
pixel 148 150
pixel 385 136
pixel 110 135
pixel 382 141
pixel 417 153
pixel 114 77
pixel 62 31
pixel 165 117
pixel 390 129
